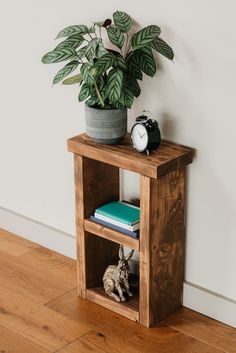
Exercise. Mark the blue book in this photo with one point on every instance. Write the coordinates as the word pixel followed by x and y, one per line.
pixel 119 229
pixel 121 212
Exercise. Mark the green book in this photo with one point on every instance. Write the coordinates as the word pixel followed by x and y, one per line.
pixel 120 211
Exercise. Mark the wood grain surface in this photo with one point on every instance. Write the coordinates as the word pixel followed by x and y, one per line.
pixel 161 246
pixel 13 245
pixel 111 234
pixel 167 238
pixel 166 158
pixel 96 183
pixel 162 221
pixel 68 324
pixel 203 328
pixel 12 342
pixel 28 280
pixel 135 338
pixel 173 342
pixel 127 309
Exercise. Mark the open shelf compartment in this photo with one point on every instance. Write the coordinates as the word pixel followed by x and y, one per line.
pixel 102 251
pixel 129 309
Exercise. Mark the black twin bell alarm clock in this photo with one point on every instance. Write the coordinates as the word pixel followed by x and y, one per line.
pixel 145 134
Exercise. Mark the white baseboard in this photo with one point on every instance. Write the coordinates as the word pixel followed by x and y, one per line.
pixel 210 303
pixel 196 298
pixel 39 233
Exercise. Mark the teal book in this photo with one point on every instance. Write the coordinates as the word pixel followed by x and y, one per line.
pixel 120 211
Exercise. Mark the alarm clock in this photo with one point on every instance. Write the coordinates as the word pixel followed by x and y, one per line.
pixel 145 134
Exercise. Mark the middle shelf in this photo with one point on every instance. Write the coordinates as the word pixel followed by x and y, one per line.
pixel 111 234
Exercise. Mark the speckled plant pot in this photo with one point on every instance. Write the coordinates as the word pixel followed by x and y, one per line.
pixel 106 126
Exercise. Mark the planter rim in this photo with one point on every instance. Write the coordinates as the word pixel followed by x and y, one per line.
pixel 101 109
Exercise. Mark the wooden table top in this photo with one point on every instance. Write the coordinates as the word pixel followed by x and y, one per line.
pixel 168 157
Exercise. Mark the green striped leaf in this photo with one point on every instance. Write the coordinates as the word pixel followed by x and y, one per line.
pixel 73 41
pixel 84 92
pixel 116 36
pixel 145 60
pixel 65 71
pixel 91 48
pixel 92 101
pixel 126 97
pixel 72 30
pixel 145 36
pixel 100 50
pixel 81 52
pixel 120 62
pixel 122 21
pixel 58 55
pixel 85 71
pixel 118 105
pixel 133 68
pixel 114 81
pixel 104 63
pixel 100 82
pixel 131 82
pixel 104 93
pixel 163 48
pixel 73 80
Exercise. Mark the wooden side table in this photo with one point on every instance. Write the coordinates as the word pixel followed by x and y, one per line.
pixel 162 230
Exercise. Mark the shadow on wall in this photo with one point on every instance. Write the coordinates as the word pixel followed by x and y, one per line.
pixel 168 126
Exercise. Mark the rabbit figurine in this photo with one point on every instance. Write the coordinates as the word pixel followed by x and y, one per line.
pixel 116 277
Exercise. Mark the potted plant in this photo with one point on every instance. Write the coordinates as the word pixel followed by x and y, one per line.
pixel 108 78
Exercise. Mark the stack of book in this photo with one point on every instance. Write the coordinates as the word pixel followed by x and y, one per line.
pixel 119 215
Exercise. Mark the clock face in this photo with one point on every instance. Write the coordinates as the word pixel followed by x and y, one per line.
pixel 139 137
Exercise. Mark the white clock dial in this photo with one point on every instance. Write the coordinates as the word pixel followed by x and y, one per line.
pixel 139 137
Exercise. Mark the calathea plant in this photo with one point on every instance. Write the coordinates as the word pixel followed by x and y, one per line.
pixel 108 78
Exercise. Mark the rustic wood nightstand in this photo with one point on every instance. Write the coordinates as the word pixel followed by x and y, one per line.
pixel 162 224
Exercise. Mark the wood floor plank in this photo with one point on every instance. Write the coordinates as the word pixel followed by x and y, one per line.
pixel 37 322
pixel 89 313
pixel 109 329
pixel 165 340
pixel 61 268
pixel 204 329
pixel 13 245
pixel 11 342
pixel 82 346
pixel 30 281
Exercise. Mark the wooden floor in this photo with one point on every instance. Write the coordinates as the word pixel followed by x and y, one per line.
pixel 40 313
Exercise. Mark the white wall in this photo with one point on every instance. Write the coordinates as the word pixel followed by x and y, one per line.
pixel 194 100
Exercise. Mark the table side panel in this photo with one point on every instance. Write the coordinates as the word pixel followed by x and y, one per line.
pixel 145 229
pixel 80 235
pixel 167 244
pixel 96 183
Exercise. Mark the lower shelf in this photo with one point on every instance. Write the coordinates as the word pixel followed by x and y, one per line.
pixel 129 309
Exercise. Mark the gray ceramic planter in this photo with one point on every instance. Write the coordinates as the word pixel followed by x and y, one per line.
pixel 106 126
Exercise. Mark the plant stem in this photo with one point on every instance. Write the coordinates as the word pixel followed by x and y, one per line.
pixel 126 44
pixel 98 94
pixel 127 52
